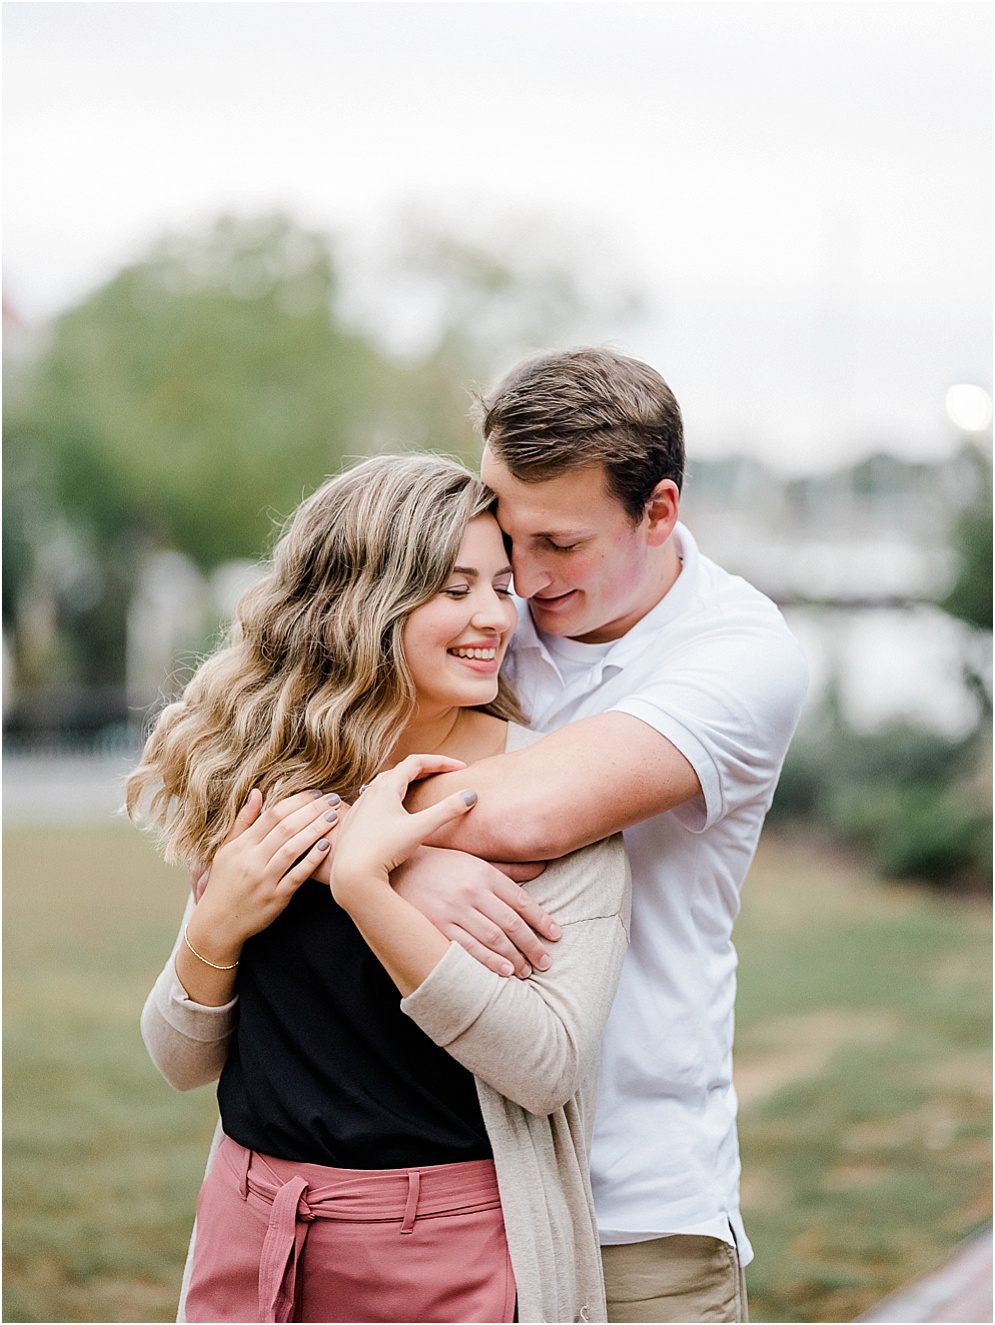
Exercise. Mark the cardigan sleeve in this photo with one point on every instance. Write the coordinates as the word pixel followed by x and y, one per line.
pixel 187 1041
pixel 534 1040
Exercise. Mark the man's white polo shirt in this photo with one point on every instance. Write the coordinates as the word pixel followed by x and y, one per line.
pixel 715 670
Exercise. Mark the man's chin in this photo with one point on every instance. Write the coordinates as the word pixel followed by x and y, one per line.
pixel 560 616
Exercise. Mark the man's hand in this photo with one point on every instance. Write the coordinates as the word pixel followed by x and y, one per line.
pixel 477 905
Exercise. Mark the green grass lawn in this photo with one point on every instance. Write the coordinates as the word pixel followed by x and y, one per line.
pixel 863 1064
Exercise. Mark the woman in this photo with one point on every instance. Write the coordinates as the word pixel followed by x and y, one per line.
pixel 381 1158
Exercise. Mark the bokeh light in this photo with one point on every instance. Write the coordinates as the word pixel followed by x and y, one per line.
pixel 969 407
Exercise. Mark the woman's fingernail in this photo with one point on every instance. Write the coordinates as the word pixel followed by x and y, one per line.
pixel 323 844
pixel 363 788
pixel 333 798
pixel 316 795
pixel 470 797
pixel 330 816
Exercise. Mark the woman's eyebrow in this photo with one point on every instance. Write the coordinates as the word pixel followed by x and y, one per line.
pixel 472 570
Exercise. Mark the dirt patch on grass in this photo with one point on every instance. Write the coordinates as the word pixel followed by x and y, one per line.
pixel 786 1050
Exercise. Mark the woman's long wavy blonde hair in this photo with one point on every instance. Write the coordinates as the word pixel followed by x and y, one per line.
pixel 311 687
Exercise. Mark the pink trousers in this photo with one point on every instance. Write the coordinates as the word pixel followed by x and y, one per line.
pixel 281 1241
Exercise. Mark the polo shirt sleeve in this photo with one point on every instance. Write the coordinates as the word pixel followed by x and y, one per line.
pixel 728 697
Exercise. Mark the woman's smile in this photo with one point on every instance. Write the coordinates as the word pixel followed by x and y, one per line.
pixel 481 658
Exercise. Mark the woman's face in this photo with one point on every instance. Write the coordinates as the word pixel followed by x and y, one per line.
pixel 454 644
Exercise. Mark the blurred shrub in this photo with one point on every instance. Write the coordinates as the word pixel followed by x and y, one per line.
pixel 908 796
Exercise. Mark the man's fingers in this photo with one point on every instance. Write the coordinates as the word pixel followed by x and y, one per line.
pixel 488 934
pixel 530 911
pixel 528 948
pixel 492 960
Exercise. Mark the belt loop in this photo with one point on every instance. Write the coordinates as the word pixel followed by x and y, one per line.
pixel 411 1207
pixel 244 1160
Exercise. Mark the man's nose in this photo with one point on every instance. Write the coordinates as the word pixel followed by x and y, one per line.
pixel 530 575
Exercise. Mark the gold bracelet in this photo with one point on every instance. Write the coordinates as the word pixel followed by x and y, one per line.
pixel 204 959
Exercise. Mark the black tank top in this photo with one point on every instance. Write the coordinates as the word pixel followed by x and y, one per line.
pixel 325 1068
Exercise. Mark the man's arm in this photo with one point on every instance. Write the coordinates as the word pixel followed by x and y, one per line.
pixel 577 785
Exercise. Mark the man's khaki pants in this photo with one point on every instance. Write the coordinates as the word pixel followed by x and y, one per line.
pixel 678 1278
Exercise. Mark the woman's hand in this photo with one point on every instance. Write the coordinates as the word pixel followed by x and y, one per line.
pixel 377 833
pixel 264 860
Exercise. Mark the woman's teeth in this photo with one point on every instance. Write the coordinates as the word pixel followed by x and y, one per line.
pixel 482 655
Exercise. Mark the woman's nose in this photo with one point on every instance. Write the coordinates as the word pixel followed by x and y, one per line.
pixel 491 613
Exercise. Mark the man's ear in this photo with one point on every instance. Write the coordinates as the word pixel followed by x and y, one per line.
pixel 662 511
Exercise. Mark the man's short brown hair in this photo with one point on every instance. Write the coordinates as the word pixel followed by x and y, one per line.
pixel 565 411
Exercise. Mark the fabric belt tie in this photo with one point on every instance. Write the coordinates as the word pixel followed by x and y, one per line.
pixel 375 1195
pixel 290 1216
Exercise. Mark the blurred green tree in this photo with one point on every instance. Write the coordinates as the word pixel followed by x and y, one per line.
pixel 191 402
pixel 188 403
pixel 202 391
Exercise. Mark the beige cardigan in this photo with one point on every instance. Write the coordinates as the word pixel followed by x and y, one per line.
pixel 533 1048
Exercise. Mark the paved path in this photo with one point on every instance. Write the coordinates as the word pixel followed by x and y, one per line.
pixel 73 789
pixel 960 1291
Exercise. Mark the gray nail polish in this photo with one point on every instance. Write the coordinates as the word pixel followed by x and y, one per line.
pixel 323 844
pixel 333 798
pixel 316 795
pixel 470 797
pixel 330 816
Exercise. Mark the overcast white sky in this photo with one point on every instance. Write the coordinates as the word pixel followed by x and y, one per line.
pixel 801 190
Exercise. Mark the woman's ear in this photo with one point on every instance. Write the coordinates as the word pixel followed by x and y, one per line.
pixel 662 511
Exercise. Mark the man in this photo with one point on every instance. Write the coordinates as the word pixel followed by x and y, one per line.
pixel 670 691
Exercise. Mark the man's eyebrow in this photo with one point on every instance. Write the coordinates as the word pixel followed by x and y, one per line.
pixel 472 570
